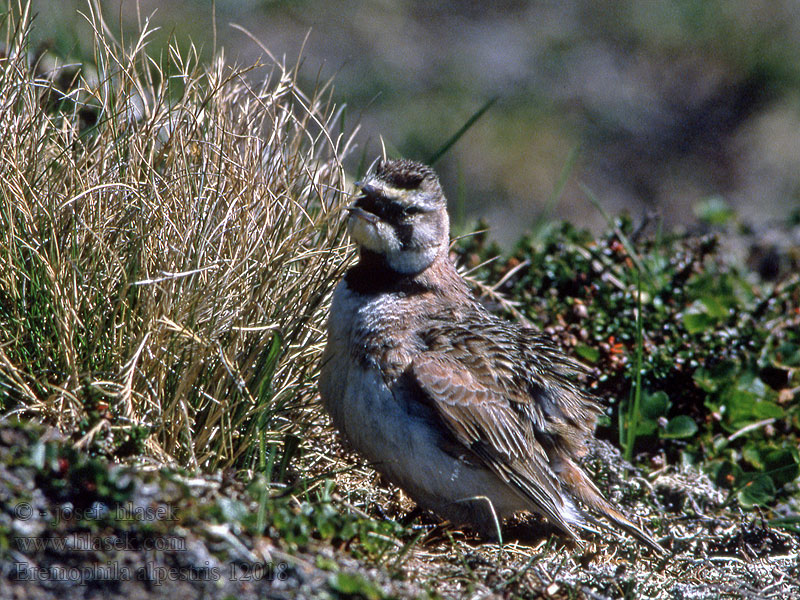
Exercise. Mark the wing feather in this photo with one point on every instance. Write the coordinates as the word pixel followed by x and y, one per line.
pixel 478 412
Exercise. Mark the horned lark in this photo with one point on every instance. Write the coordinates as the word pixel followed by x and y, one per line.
pixel 474 417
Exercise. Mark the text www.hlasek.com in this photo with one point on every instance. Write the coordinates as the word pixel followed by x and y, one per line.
pixel 78 542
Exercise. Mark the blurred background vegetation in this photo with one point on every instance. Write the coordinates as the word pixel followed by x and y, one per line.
pixel 653 106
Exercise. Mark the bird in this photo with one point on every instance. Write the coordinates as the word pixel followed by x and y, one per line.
pixel 473 416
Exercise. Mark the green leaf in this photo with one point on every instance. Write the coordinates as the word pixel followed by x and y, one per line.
pixel 782 465
pixel 714 211
pixel 265 369
pixel 348 530
pixel 719 443
pixel 753 455
pixel 789 523
pixel 744 406
pixel 326 528
pixel 725 370
pixel 758 492
pixel 695 318
pixel 714 308
pixel 655 405
pixel 291 444
pixel 682 426
pixel 750 383
pixel 704 314
pixel 689 459
pixel 353 584
pixel 789 354
pixel 587 353
pixel 725 473
pixel 767 410
pixel 646 427
pixel 705 381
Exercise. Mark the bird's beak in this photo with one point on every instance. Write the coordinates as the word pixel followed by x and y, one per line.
pixel 361 213
pixel 355 210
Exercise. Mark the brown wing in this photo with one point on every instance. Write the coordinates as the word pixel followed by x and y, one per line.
pixel 509 396
pixel 505 415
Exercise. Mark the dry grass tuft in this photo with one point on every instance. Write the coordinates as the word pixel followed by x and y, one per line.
pixel 167 241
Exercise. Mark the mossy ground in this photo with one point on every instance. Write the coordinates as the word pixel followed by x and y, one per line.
pixel 169 237
pixel 332 528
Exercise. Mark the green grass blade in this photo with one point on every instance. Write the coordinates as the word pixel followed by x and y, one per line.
pixel 434 158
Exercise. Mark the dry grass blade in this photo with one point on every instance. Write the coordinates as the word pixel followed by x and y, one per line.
pixel 167 241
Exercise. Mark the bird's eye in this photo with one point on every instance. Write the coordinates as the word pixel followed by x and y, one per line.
pixel 386 209
pixel 368 203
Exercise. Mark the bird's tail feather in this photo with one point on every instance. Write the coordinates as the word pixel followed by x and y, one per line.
pixel 586 491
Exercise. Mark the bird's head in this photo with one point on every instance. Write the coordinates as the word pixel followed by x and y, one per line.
pixel 401 215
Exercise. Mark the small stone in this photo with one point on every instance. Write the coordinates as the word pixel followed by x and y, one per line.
pixel 580 311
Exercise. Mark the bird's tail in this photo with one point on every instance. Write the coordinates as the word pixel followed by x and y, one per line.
pixel 585 490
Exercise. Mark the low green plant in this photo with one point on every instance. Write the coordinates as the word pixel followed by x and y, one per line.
pixel 696 359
